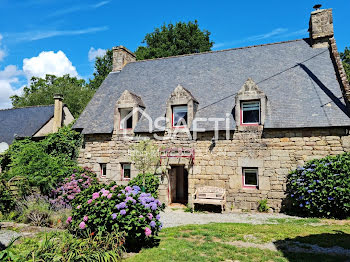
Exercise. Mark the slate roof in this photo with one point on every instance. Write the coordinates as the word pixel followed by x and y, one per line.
pixel 23 122
pixel 299 81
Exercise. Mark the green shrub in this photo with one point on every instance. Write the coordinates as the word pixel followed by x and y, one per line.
pixel 117 209
pixel 151 183
pixel 44 163
pixel 35 209
pixel 321 188
pixel 7 203
pixel 263 207
pixel 62 246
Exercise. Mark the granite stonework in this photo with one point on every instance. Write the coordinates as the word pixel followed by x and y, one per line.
pixel 274 152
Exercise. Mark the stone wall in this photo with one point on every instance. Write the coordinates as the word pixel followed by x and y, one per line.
pixel 273 152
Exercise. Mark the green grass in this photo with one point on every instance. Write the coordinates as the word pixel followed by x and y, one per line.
pixel 211 242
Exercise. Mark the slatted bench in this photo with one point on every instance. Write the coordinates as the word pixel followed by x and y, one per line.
pixel 210 195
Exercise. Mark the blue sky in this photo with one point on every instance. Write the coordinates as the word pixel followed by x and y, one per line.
pixel 63 36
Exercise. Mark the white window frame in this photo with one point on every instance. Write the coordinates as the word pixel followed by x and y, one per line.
pixel 242 112
pixel 173 114
pixel 256 170
pixel 103 167
pixel 123 168
pixel 123 116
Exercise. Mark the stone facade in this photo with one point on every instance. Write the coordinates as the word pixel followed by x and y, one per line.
pixel 274 152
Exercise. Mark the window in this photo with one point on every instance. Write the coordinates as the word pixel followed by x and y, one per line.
pixel 126 171
pixel 103 168
pixel 179 116
pixel 250 177
pixel 250 113
pixel 126 118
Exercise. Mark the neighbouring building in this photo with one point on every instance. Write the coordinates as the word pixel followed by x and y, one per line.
pixel 34 121
pixel 239 119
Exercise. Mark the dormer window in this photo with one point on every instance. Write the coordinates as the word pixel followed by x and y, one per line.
pixel 126 116
pixel 250 112
pixel 180 116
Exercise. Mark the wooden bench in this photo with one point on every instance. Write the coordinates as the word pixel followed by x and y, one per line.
pixel 210 195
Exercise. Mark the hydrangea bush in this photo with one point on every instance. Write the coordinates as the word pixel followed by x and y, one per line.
pixel 322 187
pixel 73 185
pixel 117 209
pixel 151 183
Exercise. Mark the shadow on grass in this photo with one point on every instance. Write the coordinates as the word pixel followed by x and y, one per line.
pixel 327 247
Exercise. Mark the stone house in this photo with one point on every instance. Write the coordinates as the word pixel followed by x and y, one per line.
pixel 33 121
pixel 238 119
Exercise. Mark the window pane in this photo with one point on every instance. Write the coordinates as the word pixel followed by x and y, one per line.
pixel 251 112
pixel 126 170
pixel 251 116
pixel 103 169
pixel 179 115
pixel 251 177
pixel 125 118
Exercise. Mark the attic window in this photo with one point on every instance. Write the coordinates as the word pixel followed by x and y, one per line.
pixel 250 113
pixel 126 118
pixel 179 116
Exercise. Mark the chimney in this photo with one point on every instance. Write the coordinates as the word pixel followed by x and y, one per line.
pixel 321 27
pixel 122 56
pixel 58 112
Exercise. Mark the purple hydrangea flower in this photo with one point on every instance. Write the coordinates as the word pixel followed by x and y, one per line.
pixel 123 212
pixel 114 216
pixel 152 224
pixel 158 217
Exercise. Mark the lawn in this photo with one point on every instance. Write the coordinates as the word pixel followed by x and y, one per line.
pixel 232 242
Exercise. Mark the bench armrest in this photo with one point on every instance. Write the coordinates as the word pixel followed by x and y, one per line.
pixel 194 195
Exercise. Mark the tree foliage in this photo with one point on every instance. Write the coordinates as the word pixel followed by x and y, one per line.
pixel 345 57
pixel 171 40
pixel 41 92
pixel 44 163
pixel 103 66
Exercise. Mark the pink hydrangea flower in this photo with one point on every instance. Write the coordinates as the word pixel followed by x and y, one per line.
pixel 128 188
pixel 82 225
pixel 105 193
pixel 150 216
pixel 78 207
pixel 89 201
pixel 69 219
pixel 109 196
pixel 148 232
pixel 95 195
pixel 86 218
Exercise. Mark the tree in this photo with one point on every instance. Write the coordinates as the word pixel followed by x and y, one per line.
pixel 41 92
pixel 145 156
pixel 171 40
pixel 345 57
pixel 103 66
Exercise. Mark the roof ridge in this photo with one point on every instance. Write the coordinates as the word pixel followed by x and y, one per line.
pixel 218 51
pixel 23 107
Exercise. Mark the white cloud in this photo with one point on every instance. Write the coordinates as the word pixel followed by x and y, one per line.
pixel 276 33
pixel 2 51
pixel 78 8
pixel 93 53
pixel 48 63
pixel 38 35
pixel 9 78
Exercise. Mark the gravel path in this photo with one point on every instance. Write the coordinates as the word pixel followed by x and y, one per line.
pixel 171 218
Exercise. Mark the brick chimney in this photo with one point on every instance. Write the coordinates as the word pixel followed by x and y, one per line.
pixel 321 27
pixel 122 56
pixel 58 112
